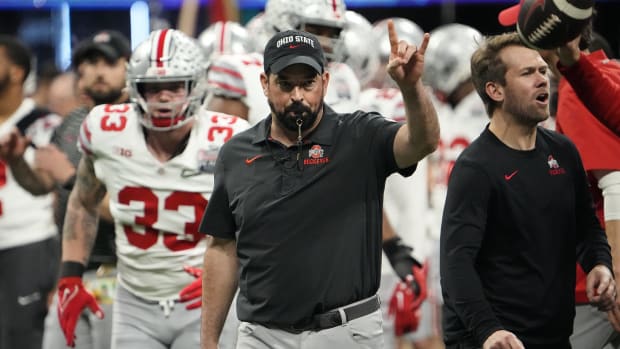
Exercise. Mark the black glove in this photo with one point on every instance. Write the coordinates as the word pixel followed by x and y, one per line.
pixel 399 255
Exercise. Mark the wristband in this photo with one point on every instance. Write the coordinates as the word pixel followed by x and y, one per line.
pixel 399 255
pixel 72 269
pixel 610 187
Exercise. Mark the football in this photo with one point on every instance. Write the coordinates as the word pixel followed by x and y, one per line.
pixel 548 24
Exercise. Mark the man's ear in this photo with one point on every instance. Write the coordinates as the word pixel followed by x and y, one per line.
pixel 325 77
pixel 17 74
pixel 495 91
pixel 264 80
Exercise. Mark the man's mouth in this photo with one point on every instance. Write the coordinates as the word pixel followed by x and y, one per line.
pixel 543 98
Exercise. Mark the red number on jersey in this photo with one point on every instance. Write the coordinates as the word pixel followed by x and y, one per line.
pixel 227 119
pixel 2 179
pixel 113 125
pixel 215 130
pixel 2 173
pixel 388 93
pixel 459 144
pixel 177 242
pixel 118 123
pixel 219 130
pixel 116 108
pixel 174 241
pixel 145 195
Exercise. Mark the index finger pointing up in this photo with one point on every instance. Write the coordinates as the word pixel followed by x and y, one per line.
pixel 393 37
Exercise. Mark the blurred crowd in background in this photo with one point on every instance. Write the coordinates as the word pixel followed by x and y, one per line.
pixel 39 23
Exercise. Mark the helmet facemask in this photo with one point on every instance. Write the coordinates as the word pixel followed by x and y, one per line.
pixel 176 109
pixel 330 39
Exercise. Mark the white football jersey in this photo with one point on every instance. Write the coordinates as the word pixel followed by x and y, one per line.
pixel 343 90
pixel 459 127
pixel 156 206
pixel 25 218
pixel 385 101
pixel 238 76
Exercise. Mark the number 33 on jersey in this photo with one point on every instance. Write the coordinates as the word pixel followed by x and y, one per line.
pixel 157 206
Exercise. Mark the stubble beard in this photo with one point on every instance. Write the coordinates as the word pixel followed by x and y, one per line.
pixel 527 115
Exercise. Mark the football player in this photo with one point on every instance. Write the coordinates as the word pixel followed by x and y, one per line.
pixel 155 158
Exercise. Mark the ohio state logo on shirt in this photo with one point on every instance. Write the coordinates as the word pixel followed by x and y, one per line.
pixel 316 156
pixel 554 166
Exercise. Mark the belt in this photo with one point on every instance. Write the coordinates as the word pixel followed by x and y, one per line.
pixel 338 316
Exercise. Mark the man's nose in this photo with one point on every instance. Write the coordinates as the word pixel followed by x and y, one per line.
pixel 297 93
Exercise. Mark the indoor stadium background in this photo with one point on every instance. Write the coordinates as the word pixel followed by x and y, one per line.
pixel 52 27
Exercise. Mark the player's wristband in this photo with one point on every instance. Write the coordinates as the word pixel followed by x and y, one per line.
pixel 72 269
pixel 399 255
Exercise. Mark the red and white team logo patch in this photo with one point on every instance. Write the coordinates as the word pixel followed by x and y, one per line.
pixel 554 166
pixel 316 156
pixel 316 152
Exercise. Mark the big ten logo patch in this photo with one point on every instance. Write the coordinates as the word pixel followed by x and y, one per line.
pixel 206 159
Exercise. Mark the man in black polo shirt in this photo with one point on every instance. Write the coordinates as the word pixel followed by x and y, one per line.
pixel 518 216
pixel 297 205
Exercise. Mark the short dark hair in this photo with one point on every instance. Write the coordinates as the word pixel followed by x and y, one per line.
pixel 486 65
pixel 110 45
pixel 17 52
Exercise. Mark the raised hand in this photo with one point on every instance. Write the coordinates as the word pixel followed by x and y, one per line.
pixel 569 53
pixel 406 62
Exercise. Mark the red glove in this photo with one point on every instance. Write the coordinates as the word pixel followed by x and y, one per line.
pixel 193 290
pixel 406 301
pixel 72 299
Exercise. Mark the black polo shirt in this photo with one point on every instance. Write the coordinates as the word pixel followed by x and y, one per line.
pixel 308 230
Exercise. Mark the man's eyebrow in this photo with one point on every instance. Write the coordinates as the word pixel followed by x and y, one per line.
pixel 303 78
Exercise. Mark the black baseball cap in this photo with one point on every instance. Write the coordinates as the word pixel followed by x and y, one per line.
pixel 293 47
pixel 110 44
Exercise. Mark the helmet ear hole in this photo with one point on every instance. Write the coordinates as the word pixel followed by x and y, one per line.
pixel 140 88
